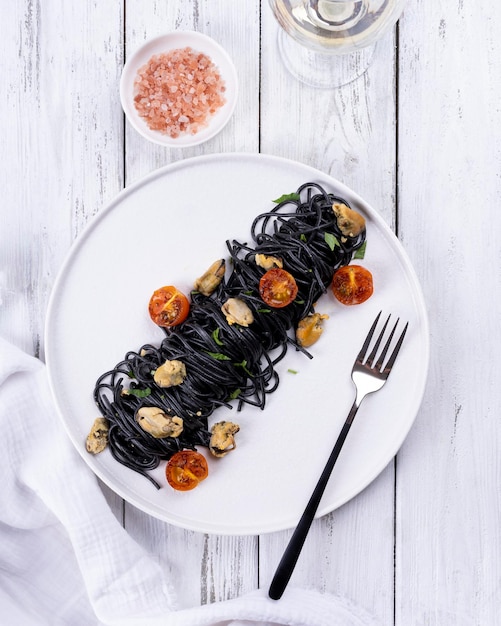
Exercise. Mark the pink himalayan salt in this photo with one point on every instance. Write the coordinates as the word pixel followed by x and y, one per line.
pixel 177 92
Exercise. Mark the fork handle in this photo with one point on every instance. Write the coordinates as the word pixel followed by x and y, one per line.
pixel 295 545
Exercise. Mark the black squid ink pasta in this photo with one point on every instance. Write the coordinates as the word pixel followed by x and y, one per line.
pixel 228 365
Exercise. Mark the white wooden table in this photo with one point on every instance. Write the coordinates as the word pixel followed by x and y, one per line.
pixel 418 137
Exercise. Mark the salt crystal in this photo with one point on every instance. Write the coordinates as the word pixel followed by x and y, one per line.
pixel 183 72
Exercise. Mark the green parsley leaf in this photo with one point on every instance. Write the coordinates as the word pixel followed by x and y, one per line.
pixel 286 197
pixel 139 393
pixel 302 237
pixel 360 253
pixel 215 336
pixel 243 365
pixel 331 240
pixel 219 356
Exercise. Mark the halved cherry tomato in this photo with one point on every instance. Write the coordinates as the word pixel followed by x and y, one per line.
pixel 352 284
pixel 168 306
pixel 186 469
pixel 277 288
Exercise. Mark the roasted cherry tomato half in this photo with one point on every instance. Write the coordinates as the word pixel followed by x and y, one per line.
pixel 168 306
pixel 352 284
pixel 186 469
pixel 277 288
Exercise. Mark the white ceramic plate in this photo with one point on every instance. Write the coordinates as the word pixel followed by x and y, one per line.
pixel 171 41
pixel 167 229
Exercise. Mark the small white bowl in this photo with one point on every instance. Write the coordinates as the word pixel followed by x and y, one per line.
pixel 164 43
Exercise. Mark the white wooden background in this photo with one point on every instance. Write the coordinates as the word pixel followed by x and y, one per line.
pixel 419 138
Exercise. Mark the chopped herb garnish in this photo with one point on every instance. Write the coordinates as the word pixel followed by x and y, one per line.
pixel 243 365
pixel 331 240
pixel 360 253
pixel 139 393
pixel 235 394
pixel 215 336
pixel 286 197
pixel 264 310
pixel 292 371
pixel 302 237
pixel 219 356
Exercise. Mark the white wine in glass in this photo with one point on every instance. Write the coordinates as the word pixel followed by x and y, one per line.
pixel 329 43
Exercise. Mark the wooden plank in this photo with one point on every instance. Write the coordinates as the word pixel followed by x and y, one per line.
pixel 350 134
pixel 63 132
pixel 60 66
pixel 449 535
pixel 206 568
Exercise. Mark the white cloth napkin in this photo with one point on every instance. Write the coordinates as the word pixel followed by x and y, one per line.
pixel 64 558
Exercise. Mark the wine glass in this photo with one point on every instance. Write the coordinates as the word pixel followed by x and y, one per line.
pixel 329 43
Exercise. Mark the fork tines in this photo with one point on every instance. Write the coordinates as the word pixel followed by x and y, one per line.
pixel 370 360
